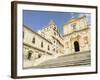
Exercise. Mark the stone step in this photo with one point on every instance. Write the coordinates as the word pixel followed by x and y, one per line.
pixel 72 63
pixel 67 60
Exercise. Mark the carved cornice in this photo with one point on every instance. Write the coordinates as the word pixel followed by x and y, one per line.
pixel 75 31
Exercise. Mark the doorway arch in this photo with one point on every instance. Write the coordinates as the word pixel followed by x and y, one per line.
pixel 76 46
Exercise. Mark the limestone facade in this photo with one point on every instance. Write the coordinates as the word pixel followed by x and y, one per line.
pixel 77 35
pixel 35 45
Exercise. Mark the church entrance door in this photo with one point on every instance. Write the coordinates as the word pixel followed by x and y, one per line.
pixel 76 46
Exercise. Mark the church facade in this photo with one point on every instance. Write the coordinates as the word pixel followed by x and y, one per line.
pixel 77 36
pixel 49 43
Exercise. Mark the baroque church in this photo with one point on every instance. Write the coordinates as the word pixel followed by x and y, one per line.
pixel 48 43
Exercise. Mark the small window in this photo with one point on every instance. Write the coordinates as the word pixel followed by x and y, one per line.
pixel 39 55
pixel 33 40
pixel 29 55
pixel 73 26
pixel 48 47
pixel 41 44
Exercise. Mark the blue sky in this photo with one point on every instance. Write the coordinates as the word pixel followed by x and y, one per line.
pixel 36 20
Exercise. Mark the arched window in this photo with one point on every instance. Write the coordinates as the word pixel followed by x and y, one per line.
pixel 76 46
pixel 33 40
pixel 41 44
pixel 29 55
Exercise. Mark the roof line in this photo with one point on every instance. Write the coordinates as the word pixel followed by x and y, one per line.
pixel 73 19
pixel 36 33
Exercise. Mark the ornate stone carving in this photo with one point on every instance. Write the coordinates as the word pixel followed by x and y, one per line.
pixel 85 40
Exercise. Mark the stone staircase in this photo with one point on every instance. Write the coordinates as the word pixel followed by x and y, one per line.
pixel 75 59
